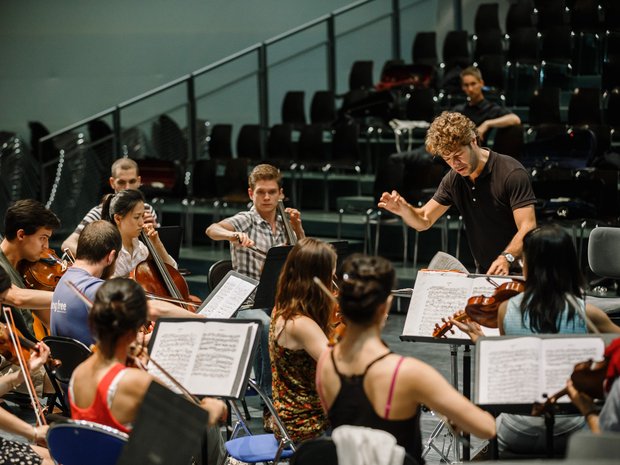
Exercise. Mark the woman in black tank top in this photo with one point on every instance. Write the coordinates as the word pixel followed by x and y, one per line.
pixel 361 382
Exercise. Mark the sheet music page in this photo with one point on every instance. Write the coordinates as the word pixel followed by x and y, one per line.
pixel 444 261
pixel 175 348
pixel 228 298
pixel 508 370
pixel 439 294
pixel 219 358
pixel 559 357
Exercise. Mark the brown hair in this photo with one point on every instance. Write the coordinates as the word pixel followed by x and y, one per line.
pixel 97 240
pixel 123 164
pixel 297 294
pixel 264 172
pixel 449 132
pixel 471 71
pixel 29 215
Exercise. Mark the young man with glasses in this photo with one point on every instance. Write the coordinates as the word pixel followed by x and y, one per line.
pixel 492 192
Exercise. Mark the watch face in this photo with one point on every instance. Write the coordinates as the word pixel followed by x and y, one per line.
pixel 509 257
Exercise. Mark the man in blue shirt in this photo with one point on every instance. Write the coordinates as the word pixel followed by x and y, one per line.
pixel 97 249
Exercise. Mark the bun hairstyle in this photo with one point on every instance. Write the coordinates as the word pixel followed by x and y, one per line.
pixel 366 284
pixel 120 203
pixel 119 308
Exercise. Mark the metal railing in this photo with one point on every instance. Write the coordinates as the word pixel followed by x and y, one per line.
pixel 261 71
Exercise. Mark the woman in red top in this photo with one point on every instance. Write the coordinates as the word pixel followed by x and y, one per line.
pixel 102 388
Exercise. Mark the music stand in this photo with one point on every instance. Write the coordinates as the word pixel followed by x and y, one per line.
pixel 169 429
pixel 171 237
pixel 266 291
pixel 342 251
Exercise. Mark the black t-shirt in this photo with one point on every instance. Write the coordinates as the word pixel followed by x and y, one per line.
pixel 482 111
pixel 486 205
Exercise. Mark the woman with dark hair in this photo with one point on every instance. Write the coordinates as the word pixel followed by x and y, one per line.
pixel 363 383
pixel 552 303
pixel 103 389
pixel 298 334
pixel 13 451
pixel 126 210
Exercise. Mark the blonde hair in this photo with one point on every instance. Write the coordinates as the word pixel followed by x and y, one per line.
pixel 123 164
pixel 449 132
pixel 264 172
pixel 471 71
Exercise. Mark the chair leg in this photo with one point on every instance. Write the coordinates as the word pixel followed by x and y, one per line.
pixel 246 412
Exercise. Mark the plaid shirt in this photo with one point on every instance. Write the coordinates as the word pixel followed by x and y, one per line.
pixel 244 260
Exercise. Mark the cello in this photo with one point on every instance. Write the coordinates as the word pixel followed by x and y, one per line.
pixel 158 278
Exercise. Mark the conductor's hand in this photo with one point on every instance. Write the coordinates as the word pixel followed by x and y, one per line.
pixel 499 267
pixel 216 408
pixel 242 238
pixel 393 203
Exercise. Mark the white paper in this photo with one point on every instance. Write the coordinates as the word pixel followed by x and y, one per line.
pixel 438 295
pixel 443 261
pixel 229 297
pixel 207 357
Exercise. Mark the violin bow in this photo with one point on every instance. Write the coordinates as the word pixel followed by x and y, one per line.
pixel 36 405
pixel 172 379
pixel 323 287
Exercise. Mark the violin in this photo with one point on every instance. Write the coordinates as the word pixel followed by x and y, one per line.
pixel 482 309
pixel 43 275
pixel 336 323
pixel 161 279
pixel 8 351
pixel 587 377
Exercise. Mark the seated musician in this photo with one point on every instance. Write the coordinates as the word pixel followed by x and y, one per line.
pixel 608 418
pixel 363 383
pixel 103 389
pixel 553 302
pixel 259 228
pixel 124 175
pixel 12 451
pixel 97 250
pixel 28 226
pixel 300 325
pixel 125 209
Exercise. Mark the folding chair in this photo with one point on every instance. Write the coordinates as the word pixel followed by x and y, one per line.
pixel 260 447
pixel 80 442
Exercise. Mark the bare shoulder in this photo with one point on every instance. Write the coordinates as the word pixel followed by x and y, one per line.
pixel 135 381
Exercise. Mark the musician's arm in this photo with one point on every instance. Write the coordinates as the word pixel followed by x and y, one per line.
pixel 31 299
pixel 600 319
pixel 225 231
pixel 295 219
pixel 15 425
pixel 71 243
pixel 160 309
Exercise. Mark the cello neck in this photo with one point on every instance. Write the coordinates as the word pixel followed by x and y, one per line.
pixel 291 238
pixel 161 267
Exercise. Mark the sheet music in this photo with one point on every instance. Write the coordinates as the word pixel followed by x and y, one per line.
pixel 439 294
pixel 207 357
pixel 444 261
pixel 227 298
pixel 520 370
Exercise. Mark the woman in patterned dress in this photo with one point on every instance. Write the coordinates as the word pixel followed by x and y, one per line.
pixel 298 335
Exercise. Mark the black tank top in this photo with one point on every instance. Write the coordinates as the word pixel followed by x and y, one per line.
pixel 352 407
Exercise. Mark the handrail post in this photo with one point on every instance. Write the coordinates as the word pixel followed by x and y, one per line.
pixel 42 173
pixel 116 126
pixel 458 14
pixel 331 53
pixel 263 87
pixel 191 118
pixel 396 50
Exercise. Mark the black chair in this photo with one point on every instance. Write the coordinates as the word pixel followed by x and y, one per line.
pixel 217 271
pixel 488 43
pixel 232 187
pixel 550 13
pixel 323 108
pixel 293 108
pixel 610 74
pixel 589 447
pixel 360 75
pixel 424 49
pixel 421 105
pixel 612 113
pixel 455 51
pixel 279 147
pixel 523 69
pixel 220 146
pixel 556 55
pixel 492 68
pixel 545 106
pixel 611 14
pixel 171 236
pixel 70 352
pixel 588 28
pixel 249 142
pixel 584 106
pixel 168 139
pixel 487 18
pixel 509 140
pixel 520 14
pixel 204 192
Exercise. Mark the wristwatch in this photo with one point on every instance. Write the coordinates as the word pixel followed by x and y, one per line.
pixel 510 258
